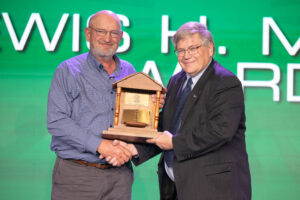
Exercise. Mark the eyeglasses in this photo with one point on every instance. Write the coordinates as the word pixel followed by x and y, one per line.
pixel 191 50
pixel 102 32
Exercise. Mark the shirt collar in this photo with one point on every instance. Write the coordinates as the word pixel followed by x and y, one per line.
pixel 95 63
pixel 198 76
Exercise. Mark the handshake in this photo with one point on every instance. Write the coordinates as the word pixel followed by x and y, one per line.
pixel 116 152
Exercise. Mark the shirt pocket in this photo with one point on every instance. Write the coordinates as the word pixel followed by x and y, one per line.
pixel 94 100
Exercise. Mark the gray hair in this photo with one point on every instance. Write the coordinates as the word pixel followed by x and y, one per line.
pixel 191 28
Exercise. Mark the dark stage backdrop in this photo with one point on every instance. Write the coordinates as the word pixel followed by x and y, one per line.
pixel 259 41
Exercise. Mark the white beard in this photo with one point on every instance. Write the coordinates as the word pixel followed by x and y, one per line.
pixel 99 51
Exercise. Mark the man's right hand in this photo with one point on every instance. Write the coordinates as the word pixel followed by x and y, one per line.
pixel 119 153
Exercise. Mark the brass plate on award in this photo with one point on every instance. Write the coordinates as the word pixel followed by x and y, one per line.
pixel 136 116
pixel 136 99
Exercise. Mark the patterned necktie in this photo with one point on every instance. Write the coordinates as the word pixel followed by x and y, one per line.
pixel 177 119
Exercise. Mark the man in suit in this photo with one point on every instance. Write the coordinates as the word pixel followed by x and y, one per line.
pixel 203 119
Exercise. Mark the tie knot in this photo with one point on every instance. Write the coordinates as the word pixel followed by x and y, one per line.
pixel 189 83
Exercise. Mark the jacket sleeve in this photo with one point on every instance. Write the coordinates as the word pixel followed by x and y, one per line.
pixel 147 151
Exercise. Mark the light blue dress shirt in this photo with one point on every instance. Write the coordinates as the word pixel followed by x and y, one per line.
pixel 81 105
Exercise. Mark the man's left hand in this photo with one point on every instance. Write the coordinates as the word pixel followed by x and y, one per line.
pixel 163 141
pixel 161 100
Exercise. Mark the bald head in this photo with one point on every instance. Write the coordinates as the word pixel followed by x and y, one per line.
pixel 105 14
pixel 104 35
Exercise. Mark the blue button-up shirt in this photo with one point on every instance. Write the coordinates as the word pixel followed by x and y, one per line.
pixel 81 105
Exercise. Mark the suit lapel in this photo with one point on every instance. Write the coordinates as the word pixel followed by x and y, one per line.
pixel 196 92
pixel 174 98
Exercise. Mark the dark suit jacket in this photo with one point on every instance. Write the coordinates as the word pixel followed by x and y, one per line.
pixel 210 159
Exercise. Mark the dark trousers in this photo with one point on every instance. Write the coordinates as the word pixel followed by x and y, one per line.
pixel 73 181
pixel 166 186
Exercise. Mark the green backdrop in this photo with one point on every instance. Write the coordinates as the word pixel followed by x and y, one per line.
pixel 26 69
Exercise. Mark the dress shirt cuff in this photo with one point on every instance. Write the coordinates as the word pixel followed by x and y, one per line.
pixel 92 144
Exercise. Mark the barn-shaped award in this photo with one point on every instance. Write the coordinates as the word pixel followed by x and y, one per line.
pixel 136 116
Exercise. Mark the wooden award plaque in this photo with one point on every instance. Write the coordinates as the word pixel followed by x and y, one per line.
pixel 136 116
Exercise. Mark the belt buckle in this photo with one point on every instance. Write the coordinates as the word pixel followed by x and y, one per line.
pixel 102 166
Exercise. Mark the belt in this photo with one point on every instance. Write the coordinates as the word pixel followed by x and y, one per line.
pixel 97 165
